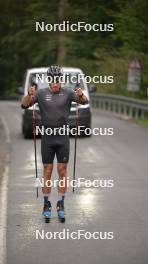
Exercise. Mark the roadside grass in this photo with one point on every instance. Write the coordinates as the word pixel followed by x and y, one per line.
pixel 142 121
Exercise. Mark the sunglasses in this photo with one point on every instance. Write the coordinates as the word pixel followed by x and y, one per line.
pixel 54 80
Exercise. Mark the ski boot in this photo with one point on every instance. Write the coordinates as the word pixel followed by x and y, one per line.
pixel 47 212
pixel 60 211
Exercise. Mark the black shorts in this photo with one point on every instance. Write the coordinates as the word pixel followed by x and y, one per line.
pixel 52 145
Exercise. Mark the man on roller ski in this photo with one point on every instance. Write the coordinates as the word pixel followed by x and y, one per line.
pixel 54 104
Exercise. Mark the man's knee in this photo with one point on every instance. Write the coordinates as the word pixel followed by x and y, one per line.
pixel 48 169
pixel 62 169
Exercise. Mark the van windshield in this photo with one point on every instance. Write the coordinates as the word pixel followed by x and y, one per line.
pixel 70 80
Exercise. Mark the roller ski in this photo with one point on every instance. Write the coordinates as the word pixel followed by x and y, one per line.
pixel 60 211
pixel 47 212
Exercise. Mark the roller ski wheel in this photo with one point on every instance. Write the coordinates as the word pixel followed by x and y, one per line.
pixel 47 212
pixel 60 211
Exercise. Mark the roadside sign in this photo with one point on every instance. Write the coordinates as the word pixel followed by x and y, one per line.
pixel 134 75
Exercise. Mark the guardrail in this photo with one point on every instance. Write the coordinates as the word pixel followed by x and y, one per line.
pixel 131 107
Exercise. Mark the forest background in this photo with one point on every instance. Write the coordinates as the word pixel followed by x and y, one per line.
pixel 97 53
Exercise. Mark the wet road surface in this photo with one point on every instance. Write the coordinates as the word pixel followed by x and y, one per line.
pixel 121 209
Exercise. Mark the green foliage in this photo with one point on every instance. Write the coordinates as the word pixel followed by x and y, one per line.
pixel 143 121
pixel 97 53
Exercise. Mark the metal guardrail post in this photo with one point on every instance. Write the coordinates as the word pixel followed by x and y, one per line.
pixel 114 107
pixel 125 110
pixel 119 108
pixel 142 114
pixel 131 107
pixel 136 113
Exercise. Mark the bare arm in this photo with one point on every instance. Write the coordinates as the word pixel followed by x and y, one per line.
pixel 26 100
pixel 81 98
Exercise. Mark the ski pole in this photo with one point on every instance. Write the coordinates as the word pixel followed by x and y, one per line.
pixel 75 145
pixel 34 140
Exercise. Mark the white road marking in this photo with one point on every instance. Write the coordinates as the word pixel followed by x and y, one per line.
pixel 4 122
pixel 3 200
pixel 3 215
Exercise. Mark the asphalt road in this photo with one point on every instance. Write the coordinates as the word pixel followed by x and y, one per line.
pixel 121 209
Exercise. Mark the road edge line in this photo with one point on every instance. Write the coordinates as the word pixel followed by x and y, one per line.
pixel 4 199
pixel 3 214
